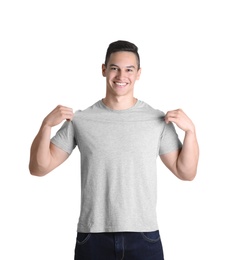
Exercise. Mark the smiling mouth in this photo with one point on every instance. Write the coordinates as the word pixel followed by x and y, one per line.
pixel 120 84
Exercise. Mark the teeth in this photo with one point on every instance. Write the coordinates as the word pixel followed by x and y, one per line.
pixel 120 84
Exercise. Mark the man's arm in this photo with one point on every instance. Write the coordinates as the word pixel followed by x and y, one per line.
pixel 45 156
pixel 183 163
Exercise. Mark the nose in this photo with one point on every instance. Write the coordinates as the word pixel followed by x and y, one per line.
pixel 120 74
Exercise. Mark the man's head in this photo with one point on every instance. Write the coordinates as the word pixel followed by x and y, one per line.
pixel 118 46
pixel 121 69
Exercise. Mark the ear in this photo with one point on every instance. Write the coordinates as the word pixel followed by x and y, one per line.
pixel 103 70
pixel 138 74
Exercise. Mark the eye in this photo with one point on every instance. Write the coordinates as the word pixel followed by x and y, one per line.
pixel 113 68
pixel 130 70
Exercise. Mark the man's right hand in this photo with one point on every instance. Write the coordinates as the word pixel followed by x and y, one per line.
pixel 59 114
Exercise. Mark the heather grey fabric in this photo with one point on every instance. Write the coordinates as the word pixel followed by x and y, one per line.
pixel 118 149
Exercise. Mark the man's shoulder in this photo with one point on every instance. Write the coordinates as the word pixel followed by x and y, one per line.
pixel 150 109
pixel 98 111
pixel 88 109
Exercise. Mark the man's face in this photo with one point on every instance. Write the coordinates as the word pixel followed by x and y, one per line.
pixel 121 73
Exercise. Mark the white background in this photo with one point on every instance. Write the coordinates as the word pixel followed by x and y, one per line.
pixel 51 53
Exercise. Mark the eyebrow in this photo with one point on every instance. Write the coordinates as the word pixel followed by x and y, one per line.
pixel 129 66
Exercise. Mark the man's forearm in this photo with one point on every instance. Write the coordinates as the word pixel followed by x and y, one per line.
pixel 188 158
pixel 40 155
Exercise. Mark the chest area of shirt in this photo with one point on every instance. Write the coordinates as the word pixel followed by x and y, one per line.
pixel 106 136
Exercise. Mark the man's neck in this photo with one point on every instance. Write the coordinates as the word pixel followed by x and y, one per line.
pixel 119 103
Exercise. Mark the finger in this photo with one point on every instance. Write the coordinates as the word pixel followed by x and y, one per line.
pixel 170 119
pixel 65 112
pixel 174 114
pixel 170 116
pixel 69 117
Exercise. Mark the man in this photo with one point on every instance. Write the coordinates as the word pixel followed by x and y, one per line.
pixel 119 139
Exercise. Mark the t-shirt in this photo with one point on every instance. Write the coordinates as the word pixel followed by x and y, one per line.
pixel 118 155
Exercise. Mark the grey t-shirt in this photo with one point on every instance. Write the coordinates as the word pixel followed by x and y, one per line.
pixel 119 150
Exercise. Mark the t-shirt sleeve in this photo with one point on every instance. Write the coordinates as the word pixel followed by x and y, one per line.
pixel 65 138
pixel 169 140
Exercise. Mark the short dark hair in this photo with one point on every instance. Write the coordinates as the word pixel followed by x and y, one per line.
pixel 122 46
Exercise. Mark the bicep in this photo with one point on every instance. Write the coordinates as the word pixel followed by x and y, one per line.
pixel 58 156
pixel 170 161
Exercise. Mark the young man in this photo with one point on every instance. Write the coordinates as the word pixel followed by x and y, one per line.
pixel 119 139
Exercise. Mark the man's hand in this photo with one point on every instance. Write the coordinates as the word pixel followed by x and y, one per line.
pixel 183 163
pixel 180 119
pixel 59 114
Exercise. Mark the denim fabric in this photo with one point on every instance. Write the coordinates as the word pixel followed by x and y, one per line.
pixel 118 246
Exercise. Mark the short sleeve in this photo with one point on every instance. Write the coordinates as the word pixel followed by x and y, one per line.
pixel 65 138
pixel 169 140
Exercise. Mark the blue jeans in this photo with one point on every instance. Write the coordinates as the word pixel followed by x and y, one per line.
pixel 119 245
